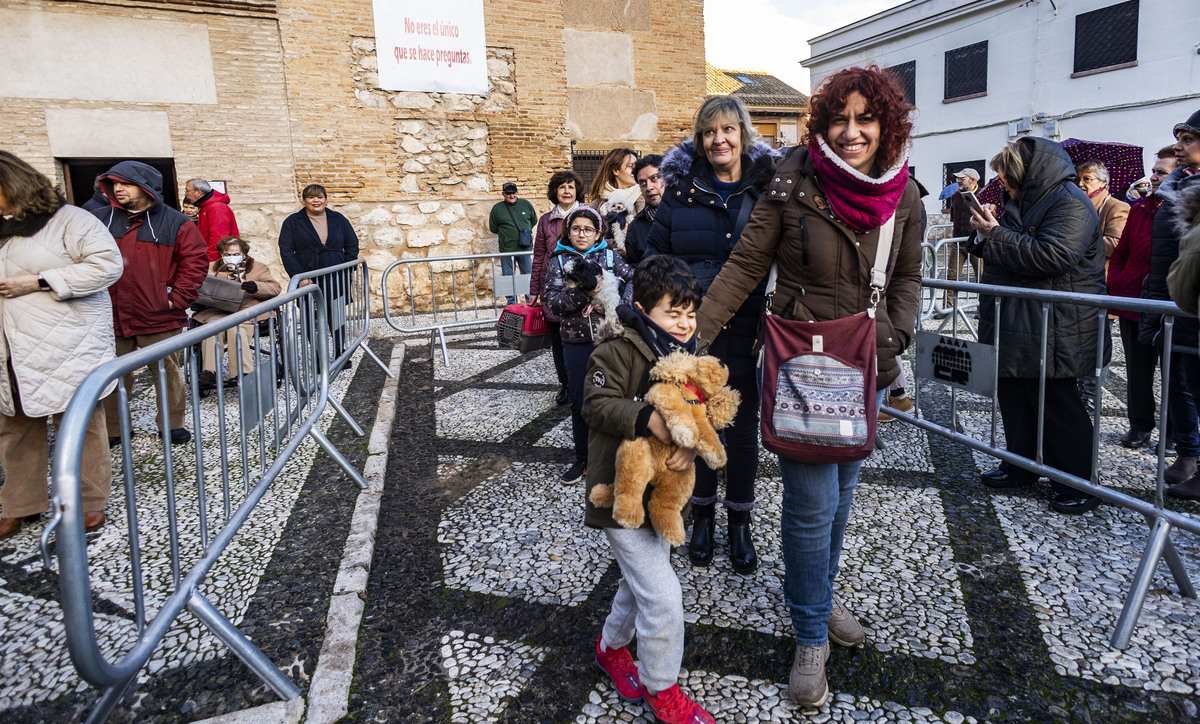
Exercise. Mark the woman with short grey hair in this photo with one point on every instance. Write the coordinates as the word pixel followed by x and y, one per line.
pixel 713 181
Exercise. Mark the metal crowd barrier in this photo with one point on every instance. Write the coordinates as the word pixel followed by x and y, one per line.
pixel 347 292
pixel 451 313
pixel 935 264
pixel 201 521
pixel 1161 521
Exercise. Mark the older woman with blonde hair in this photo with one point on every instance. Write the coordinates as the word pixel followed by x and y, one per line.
pixel 713 180
pixel 56 326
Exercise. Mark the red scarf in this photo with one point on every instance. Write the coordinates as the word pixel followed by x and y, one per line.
pixel 863 203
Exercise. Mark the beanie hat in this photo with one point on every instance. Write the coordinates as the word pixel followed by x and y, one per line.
pixel 1191 125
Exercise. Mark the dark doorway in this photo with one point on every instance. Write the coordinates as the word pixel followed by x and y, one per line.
pixel 80 173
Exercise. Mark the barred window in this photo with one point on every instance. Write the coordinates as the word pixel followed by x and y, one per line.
pixel 966 71
pixel 906 73
pixel 587 165
pixel 955 166
pixel 1106 37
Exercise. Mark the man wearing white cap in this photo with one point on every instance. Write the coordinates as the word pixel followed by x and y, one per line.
pixel 960 217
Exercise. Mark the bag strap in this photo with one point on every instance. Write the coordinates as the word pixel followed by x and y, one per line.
pixel 883 253
pixel 513 217
pixel 742 217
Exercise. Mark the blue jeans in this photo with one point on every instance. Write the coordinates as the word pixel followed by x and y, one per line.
pixel 524 263
pixel 1183 425
pixel 816 505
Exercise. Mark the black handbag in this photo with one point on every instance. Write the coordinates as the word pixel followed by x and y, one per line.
pixel 223 294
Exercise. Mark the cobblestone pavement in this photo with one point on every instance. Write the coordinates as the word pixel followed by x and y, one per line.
pixel 274 582
pixel 486 593
pixel 979 606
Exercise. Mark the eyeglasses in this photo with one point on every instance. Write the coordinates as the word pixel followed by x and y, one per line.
pixel 583 230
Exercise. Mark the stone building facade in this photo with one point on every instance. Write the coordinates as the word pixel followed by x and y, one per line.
pixel 271 95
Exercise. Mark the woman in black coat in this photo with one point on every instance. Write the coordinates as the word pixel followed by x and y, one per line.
pixel 316 238
pixel 713 182
pixel 1049 238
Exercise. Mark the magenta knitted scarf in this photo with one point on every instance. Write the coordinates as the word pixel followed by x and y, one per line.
pixel 863 203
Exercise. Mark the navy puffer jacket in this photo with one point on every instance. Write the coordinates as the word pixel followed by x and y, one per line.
pixel 694 224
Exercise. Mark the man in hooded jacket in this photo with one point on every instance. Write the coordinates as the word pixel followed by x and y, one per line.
pixel 166 260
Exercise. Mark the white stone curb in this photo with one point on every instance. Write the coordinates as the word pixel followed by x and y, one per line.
pixel 329 693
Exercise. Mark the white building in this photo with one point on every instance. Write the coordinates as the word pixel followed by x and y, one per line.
pixel 983 72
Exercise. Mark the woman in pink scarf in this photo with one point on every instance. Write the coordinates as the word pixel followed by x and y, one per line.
pixel 819 220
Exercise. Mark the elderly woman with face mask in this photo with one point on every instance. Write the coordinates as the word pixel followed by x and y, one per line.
pixel 259 285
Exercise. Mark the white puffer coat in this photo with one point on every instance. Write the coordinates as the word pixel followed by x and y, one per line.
pixel 55 338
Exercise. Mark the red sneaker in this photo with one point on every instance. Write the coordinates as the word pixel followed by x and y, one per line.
pixel 618 664
pixel 672 706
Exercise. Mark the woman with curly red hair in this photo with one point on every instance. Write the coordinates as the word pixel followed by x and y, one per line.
pixel 819 221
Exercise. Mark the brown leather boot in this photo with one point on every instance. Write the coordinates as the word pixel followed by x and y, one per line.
pixel 9 526
pixel 93 521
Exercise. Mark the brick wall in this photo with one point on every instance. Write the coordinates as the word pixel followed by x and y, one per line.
pixel 298 102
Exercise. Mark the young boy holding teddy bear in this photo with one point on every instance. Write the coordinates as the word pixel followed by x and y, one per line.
pixel 649 602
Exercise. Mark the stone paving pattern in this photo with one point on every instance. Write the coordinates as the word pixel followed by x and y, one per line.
pixel 486 593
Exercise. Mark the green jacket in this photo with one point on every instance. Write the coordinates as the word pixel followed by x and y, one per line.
pixel 614 412
pixel 500 222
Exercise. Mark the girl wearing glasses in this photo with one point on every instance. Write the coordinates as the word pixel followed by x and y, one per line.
pixel 582 238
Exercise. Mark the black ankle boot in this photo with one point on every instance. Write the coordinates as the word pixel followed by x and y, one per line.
pixel 741 545
pixel 700 548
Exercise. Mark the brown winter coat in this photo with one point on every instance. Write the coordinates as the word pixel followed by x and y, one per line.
pixel 1113 214
pixel 255 272
pixel 824 266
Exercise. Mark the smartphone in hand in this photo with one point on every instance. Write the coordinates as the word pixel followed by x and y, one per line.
pixel 972 202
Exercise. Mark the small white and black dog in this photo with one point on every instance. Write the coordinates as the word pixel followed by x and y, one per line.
pixel 616 217
pixel 602 286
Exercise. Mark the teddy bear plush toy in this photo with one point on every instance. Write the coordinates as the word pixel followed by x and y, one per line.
pixel 690 394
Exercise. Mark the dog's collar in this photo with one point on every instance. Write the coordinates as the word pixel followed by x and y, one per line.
pixel 695 391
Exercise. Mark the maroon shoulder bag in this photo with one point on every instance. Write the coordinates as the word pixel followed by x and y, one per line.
pixel 818 378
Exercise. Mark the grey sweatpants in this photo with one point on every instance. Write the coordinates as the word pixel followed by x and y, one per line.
pixel 649 603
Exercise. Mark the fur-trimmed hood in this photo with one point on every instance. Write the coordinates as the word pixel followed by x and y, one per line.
pixel 682 163
pixel 1187 209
